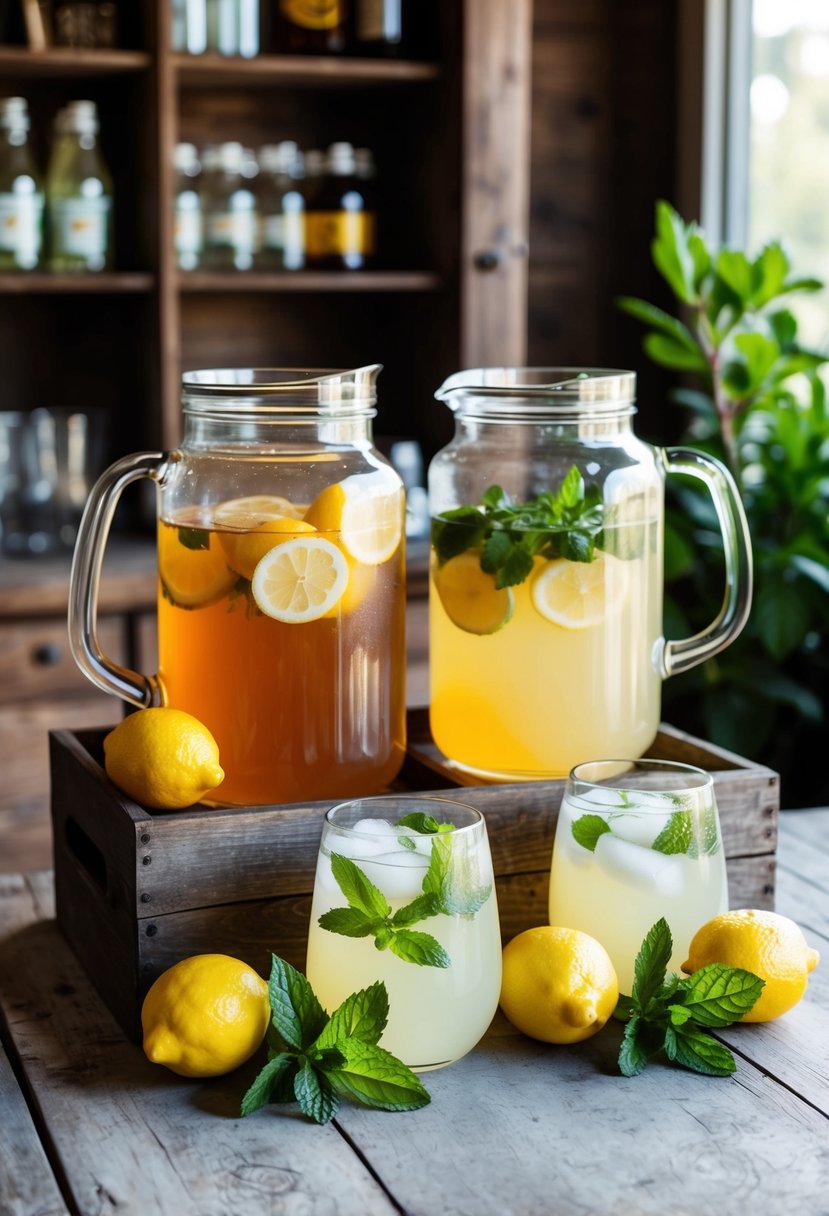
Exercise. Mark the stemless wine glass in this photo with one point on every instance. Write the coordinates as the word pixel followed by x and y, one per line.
pixel 637 840
pixel 440 959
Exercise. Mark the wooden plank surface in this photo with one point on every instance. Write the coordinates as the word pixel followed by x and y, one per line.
pixel 515 1127
pixel 169 1145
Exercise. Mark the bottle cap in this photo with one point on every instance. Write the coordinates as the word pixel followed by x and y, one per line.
pixel 230 157
pixel 186 158
pixel 341 159
pixel 79 118
pixel 14 113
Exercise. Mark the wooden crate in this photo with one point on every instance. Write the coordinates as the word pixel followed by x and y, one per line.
pixel 138 890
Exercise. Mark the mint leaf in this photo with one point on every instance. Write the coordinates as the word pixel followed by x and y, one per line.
pixel 496 499
pixel 518 566
pixel 440 861
pixel 360 892
pixel 376 1078
pixel 314 1094
pixel 496 551
pixel 421 908
pixel 455 531
pixel 363 1015
pixel 194 538
pixel 677 834
pixel 587 829
pixel 266 1081
pixel 571 492
pixel 698 1051
pixel 407 843
pixel 420 948
pixel 427 825
pixel 718 995
pixel 351 922
pixel 651 964
pixel 297 1015
pixel 632 1054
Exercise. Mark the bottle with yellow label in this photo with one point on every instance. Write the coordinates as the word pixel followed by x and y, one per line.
pixel 78 193
pixel 340 222
pixel 312 27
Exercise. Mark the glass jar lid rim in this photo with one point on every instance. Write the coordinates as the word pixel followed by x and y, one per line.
pixel 566 387
pixel 278 388
pixel 352 383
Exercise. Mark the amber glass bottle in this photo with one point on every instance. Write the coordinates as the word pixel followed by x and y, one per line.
pixel 311 27
pixel 339 222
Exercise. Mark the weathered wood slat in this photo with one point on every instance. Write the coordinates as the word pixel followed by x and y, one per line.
pixel 27 1184
pixel 536 1130
pixel 133 1138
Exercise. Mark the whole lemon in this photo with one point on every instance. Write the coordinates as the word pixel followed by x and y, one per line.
pixel 558 985
pixel 205 1015
pixel 769 945
pixel 163 758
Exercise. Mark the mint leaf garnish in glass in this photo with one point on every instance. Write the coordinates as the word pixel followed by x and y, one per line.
pixel 449 888
pixel 666 1013
pixel 329 1058
pixel 566 523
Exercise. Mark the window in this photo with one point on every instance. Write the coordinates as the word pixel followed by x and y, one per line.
pixel 766 136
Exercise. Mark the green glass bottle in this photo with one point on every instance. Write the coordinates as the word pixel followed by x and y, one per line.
pixel 21 190
pixel 78 194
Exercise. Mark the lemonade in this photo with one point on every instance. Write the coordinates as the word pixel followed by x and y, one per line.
pixel 624 857
pixel 281 628
pixel 529 680
pixel 438 1011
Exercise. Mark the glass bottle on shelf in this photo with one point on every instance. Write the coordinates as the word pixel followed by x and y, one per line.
pixel 21 190
pixel 315 27
pixel 377 27
pixel 229 205
pixel 78 193
pixel 339 227
pixel 188 227
pixel 189 26
pixel 281 208
pixel 233 27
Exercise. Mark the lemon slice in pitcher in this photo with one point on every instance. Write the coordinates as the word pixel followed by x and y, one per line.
pixel 245 550
pixel 469 595
pixel 192 577
pixel 247 513
pixel 579 595
pixel 300 580
pixel 368 518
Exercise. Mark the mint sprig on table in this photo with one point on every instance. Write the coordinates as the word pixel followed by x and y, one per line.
pixel 562 523
pixel 667 1013
pixel 316 1060
pixel 447 888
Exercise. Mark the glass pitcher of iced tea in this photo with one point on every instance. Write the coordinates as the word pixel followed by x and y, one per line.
pixel 281 583
pixel 545 631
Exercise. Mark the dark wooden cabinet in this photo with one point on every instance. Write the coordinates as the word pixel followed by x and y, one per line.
pixel 450 133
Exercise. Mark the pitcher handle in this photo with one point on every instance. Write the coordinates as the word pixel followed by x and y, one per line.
pixel 679 656
pixel 85 578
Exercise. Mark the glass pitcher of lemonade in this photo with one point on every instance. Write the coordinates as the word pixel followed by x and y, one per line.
pixel 281 590
pixel 545 635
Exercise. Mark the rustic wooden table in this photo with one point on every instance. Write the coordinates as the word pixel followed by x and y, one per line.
pixel 514 1129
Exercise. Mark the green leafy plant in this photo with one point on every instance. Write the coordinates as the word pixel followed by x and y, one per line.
pixel 670 1014
pixel 316 1060
pixel 757 401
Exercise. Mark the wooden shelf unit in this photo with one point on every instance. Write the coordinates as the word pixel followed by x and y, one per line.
pixel 450 133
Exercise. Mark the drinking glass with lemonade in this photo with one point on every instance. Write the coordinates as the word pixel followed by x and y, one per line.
pixel 404 893
pixel 636 841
